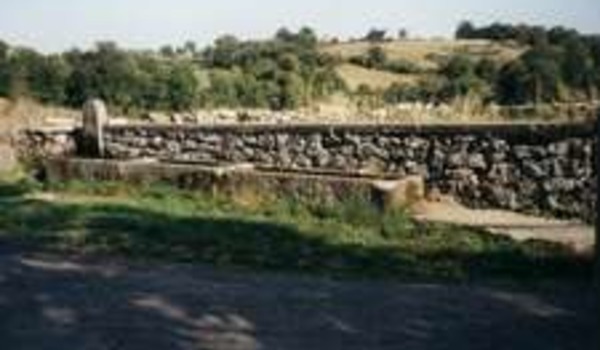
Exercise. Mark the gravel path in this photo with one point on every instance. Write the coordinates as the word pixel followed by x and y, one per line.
pixel 577 235
pixel 52 302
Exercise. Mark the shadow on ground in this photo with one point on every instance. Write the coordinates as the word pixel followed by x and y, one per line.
pixel 52 302
pixel 60 301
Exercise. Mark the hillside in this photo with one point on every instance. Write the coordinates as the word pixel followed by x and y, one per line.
pixel 354 76
pixel 425 54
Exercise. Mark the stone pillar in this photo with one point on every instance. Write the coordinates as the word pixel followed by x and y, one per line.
pixel 92 136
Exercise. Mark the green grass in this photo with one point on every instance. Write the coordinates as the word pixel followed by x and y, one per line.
pixel 165 224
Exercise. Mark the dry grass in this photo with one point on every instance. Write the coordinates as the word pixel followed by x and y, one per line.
pixel 25 113
pixel 355 75
pixel 423 52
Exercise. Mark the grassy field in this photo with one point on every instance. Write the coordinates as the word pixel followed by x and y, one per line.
pixel 166 224
pixel 355 75
pixel 424 53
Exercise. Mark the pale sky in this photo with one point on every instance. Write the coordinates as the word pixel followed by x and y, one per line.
pixel 54 25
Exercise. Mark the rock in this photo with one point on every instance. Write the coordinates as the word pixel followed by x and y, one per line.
pixel 321 158
pixel 282 141
pixel 501 196
pixel 156 142
pixel 156 118
pixel 522 152
pixel 177 119
pixel 500 173
pixel 302 161
pixel 173 147
pixel 498 157
pixel 534 170
pixel 559 185
pixel 339 162
pixel 370 150
pixel 477 161
pixel 189 145
pixel 560 149
pixel 398 194
pixel 456 160
pixel 283 159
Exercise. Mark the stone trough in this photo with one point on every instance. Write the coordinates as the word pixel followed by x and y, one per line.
pixel 244 181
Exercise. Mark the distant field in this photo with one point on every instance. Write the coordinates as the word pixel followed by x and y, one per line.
pixel 424 53
pixel 355 75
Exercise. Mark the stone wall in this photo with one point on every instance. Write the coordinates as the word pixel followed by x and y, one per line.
pixel 540 168
pixel 32 147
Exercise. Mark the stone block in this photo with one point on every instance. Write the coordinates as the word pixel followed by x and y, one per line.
pixel 397 194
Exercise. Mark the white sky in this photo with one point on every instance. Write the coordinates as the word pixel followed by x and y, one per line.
pixel 53 25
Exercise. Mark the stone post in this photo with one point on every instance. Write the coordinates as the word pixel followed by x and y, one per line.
pixel 94 119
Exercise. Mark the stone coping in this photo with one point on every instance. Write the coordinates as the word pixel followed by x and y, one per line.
pixel 579 129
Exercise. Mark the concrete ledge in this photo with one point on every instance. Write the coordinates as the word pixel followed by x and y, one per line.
pixel 241 183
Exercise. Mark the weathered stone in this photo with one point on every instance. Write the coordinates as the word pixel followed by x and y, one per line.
pixel 477 161
pixel 95 117
pixel 534 170
pixel 523 168
pixel 522 152
pixel 456 160
pixel 398 194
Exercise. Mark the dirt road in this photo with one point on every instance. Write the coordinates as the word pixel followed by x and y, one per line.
pixel 53 302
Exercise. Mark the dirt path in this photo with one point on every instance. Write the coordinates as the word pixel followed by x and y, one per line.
pixel 579 236
pixel 51 302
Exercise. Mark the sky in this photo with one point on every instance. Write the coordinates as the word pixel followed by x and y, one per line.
pixel 56 25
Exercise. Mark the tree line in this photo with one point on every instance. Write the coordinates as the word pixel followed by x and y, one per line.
pixel 288 71
pixel 560 64
pixel 284 72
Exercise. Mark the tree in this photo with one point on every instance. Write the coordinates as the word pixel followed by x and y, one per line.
pixel 577 65
pixel 190 48
pixel 465 30
pixel 307 37
pixel 402 34
pixel 167 51
pixel 376 57
pixel 182 87
pixel 48 79
pixel 5 71
pixel 533 78
pixel 376 35
pixel 461 78
pixel 221 55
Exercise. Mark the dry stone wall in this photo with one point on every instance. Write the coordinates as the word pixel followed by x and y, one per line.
pixel 541 168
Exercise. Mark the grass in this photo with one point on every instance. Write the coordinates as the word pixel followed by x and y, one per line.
pixel 165 224
pixel 354 76
pixel 423 53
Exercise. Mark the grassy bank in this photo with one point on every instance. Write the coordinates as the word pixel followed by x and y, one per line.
pixel 351 238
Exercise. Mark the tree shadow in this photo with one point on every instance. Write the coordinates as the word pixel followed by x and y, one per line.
pixel 85 301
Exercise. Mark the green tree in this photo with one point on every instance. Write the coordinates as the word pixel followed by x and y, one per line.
pixel 465 30
pixel 48 78
pixel 5 71
pixel 182 87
